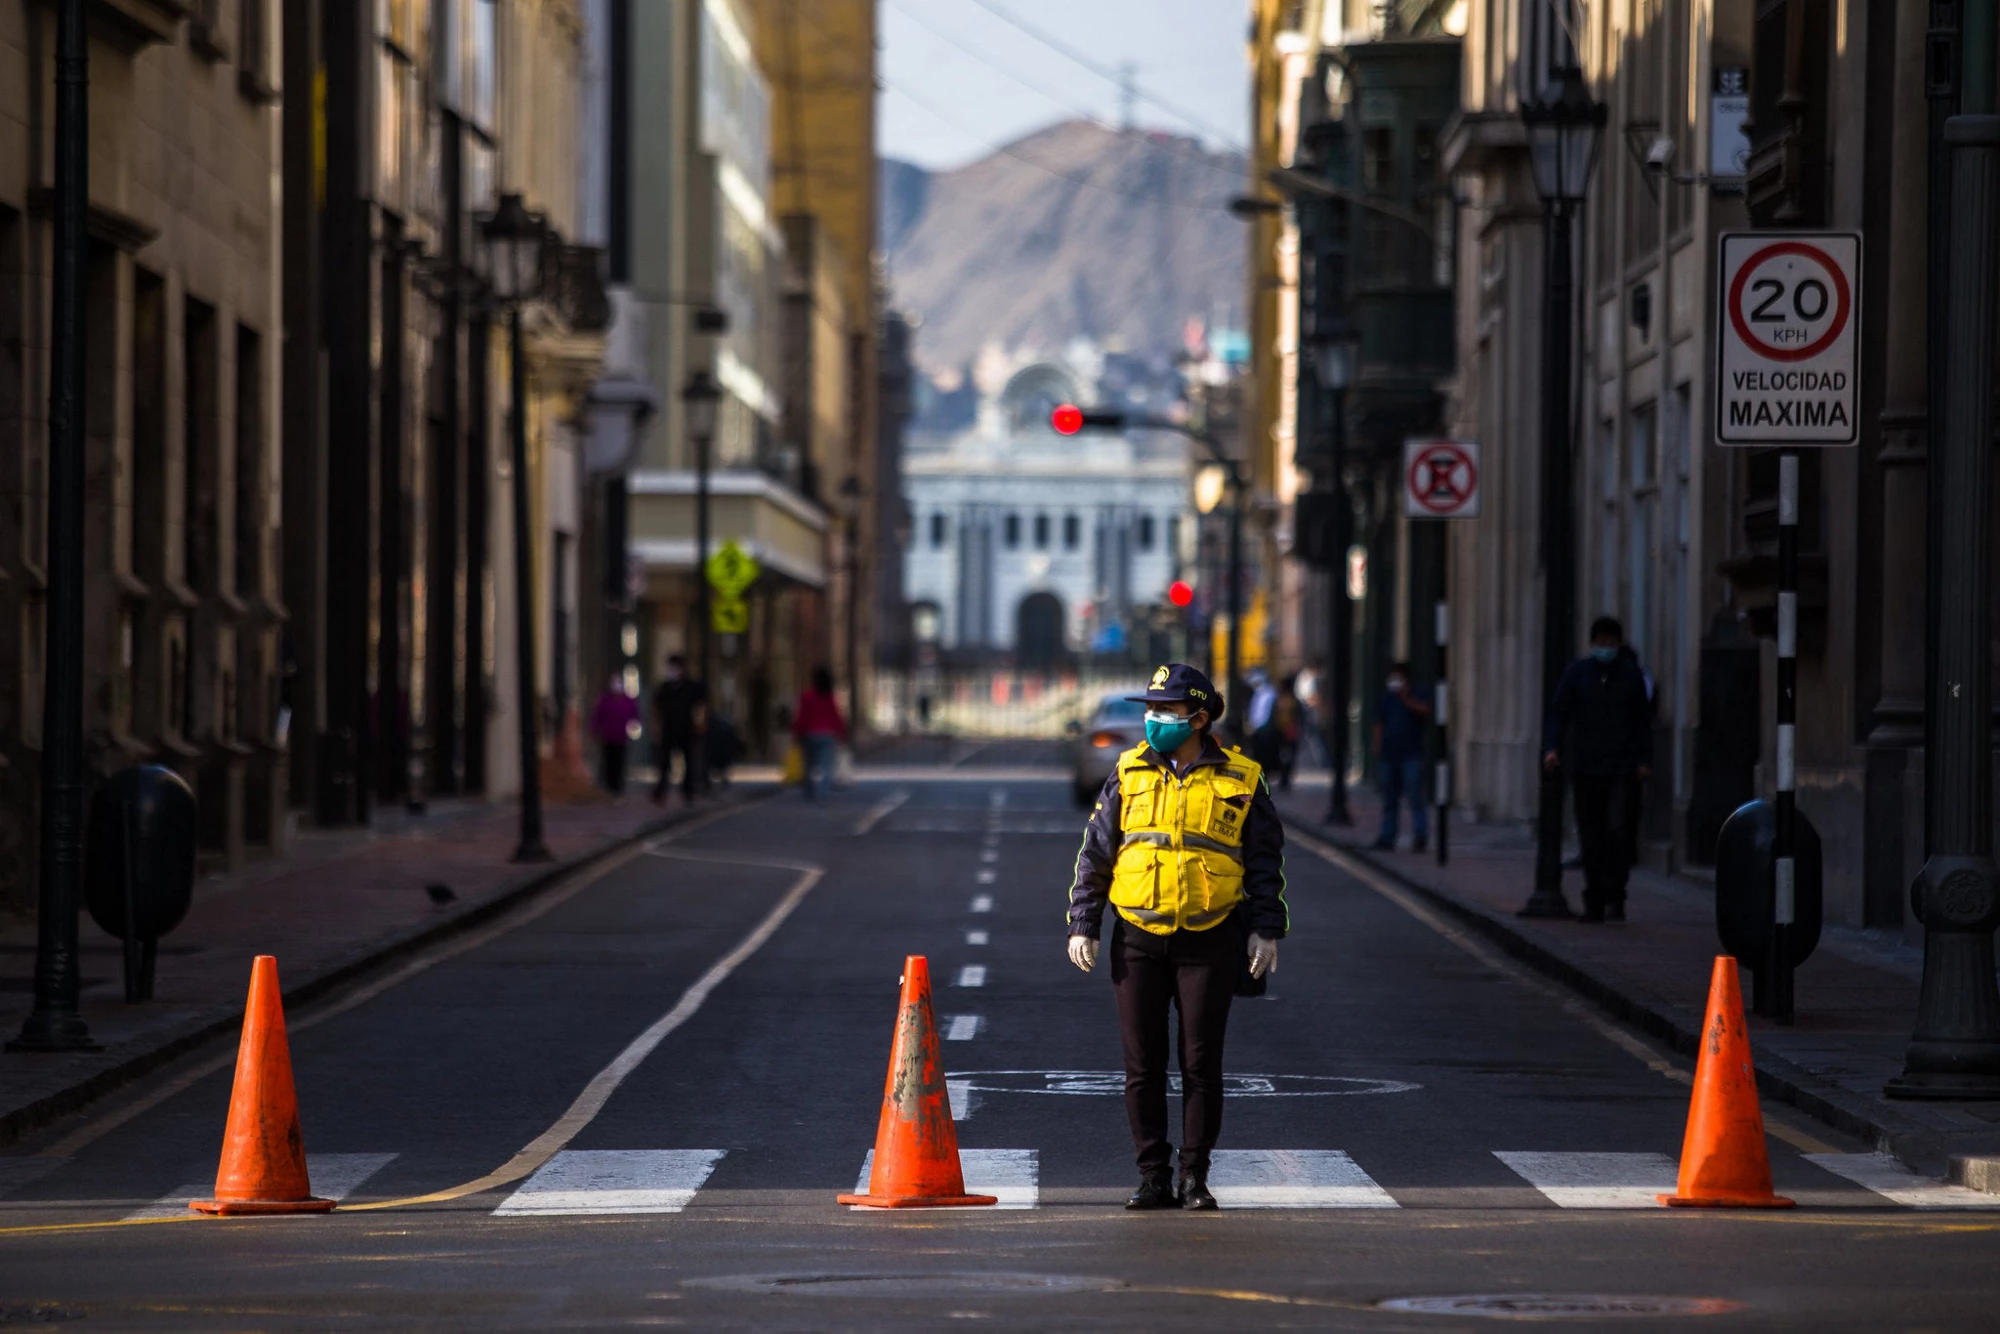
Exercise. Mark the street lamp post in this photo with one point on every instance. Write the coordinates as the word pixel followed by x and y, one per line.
pixel 702 396
pixel 1564 127
pixel 1335 348
pixel 55 1023
pixel 517 241
pixel 1954 1051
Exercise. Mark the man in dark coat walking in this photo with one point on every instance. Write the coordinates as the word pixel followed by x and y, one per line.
pixel 1600 728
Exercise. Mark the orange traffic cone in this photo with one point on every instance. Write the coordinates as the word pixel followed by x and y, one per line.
pixel 1724 1163
pixel 263 1168
pixel 916 1145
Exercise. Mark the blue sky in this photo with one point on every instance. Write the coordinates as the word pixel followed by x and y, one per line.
pixel 959 79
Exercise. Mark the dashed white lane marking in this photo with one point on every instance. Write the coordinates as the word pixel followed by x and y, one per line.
pixel 989 854
pixel 975 938
pixel 987 875
pixel 972 975
pixel 964 1098
pixel 998 799
pixel 1887 1177
pixel 613 1181
pixel 1012 1174
pixel 334 1176
pixel 962 1027
pixel 982 903
pixel 1293 1179
pixel 1597 1180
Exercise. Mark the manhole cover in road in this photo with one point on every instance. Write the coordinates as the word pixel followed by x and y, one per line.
pixel 908 1285
pixel 1558 1306
pixel 1112 1082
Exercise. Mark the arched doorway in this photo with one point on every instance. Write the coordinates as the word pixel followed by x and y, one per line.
pixel 1038 631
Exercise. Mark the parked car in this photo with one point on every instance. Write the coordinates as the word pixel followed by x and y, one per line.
pixel 1117 725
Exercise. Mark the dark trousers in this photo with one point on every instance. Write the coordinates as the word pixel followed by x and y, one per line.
pixel 692 777
pixel 1604 814
pixel 1195 971
pixel 611 768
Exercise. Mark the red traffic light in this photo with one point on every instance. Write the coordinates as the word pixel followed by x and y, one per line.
pixel 1067 419
pixel 1179 593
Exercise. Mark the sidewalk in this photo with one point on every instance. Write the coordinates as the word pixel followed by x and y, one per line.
pixel 338 903
pixel 1856 998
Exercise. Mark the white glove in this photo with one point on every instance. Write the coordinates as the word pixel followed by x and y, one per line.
pixel 1083 952
pixel 1263 956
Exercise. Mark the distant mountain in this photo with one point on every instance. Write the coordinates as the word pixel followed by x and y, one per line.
pixel 1074 231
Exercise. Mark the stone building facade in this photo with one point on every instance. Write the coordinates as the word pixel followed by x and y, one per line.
pixel 184 612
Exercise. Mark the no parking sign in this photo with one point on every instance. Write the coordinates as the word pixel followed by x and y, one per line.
pixel 1441 479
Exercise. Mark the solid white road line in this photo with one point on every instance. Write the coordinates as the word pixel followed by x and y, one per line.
pixel 1293 1179
pixel 1597 1180
pixel 982 903
pixel 613 1181
pixel 976 938
pixel 1012 1174
pixel 881 811
pixel 962 1027
pixel 972 975
pixel 334 1176
pixel 1887 1177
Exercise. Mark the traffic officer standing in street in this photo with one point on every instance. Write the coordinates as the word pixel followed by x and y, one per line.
pixel 1187 847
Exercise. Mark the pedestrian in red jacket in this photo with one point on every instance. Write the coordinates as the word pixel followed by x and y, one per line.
pixel 818 728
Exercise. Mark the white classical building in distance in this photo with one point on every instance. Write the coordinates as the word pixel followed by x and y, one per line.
pixel 1032 544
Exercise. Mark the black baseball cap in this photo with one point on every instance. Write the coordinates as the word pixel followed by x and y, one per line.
pixel 1176 682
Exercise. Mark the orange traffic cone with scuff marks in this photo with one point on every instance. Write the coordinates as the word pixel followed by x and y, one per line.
pixel 263 1168
pixel 1724 1161
pixel 916 1144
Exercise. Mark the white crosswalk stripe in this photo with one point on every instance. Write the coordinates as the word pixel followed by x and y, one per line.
pixel 982 903
pixel 972 975
pixel 1293 1179
pixel 1890 1179
pixel 962 1027
pixel 1014 1175
pixel 1597 1180
pixel 334 1176
pixel 613 1181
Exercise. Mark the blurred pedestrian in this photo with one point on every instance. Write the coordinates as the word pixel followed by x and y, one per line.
pixel 1188 850
pixel 819 729
pixel 1600 729
pixel 1398 746
pixel 1288 717
pixel 681 704
pixel 613 721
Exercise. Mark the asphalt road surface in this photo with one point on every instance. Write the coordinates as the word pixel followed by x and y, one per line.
pixel 634 1102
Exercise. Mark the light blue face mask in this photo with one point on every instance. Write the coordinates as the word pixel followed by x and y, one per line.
pixel 1166 733
pixel 1604 653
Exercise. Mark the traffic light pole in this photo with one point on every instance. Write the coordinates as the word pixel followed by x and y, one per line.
pixel 532 848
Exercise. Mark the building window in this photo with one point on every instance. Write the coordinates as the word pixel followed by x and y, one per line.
pixel 1013 531
pixel 249 516
pixel 940 529
pixel 1642 529
pixel 1145 532
pixel 1174 537
pixel 1041 532
pixel 1072 532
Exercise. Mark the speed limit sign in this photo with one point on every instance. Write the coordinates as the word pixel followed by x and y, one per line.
pixel 1788 339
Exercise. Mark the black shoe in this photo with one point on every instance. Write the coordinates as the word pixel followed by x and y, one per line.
pixel 1194 1190
pixel 1591 916
pixel 1420 845
pixel 1614 912
pixel 1156 1191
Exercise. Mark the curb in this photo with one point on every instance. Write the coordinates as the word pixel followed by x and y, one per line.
pixel 23 1121
pixel 1916 1146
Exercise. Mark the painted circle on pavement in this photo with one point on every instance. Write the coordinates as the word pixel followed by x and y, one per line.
pixel 1087 1083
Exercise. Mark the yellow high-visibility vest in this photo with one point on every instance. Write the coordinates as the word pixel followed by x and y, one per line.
pixel 1180 865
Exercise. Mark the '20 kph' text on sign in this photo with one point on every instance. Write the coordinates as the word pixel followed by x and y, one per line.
pixel 1788 338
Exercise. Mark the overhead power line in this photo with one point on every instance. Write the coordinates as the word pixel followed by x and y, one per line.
pixel 1114 75
pixel 1128 90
